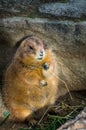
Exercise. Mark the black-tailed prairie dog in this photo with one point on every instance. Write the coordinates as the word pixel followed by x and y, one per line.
pixel 30 85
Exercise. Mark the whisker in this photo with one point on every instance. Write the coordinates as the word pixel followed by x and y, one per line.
pixel 64 84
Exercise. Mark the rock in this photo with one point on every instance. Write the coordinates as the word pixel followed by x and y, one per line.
pixel 66 38
pixel 16 3
pixel 16 6
pixel 71 9
pixel 79 123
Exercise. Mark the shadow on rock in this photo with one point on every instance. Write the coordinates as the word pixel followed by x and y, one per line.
pixel 5 52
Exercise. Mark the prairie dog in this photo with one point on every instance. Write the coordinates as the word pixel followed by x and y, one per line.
pixel 30 85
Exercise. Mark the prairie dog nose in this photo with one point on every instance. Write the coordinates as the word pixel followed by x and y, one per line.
pixel 41 51
pixel 41 54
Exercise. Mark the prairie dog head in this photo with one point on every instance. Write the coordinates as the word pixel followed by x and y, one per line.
pixel 30 49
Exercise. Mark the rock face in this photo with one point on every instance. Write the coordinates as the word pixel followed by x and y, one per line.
pixel 16 3
pixel 66 38
pixel 16 6
pixel 71 9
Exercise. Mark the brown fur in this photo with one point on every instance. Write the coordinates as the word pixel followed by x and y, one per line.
pixel 24 93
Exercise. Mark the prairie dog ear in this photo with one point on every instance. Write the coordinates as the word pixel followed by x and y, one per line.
pixel 18 43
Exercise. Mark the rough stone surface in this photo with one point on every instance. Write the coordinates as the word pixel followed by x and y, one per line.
pixel 71 9
pixel 66 38
pixel 16 3
pixel 79 123
pixel 16 6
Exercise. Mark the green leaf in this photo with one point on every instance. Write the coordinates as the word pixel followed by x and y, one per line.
pixel 6 113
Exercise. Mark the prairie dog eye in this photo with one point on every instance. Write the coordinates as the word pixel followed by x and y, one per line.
pixel 30 47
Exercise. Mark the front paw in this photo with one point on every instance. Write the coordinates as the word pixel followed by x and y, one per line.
pixel 43 83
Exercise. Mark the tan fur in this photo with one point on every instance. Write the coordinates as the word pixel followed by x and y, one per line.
pixel 23 92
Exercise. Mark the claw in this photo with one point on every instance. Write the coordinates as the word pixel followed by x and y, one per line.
pixel 31 122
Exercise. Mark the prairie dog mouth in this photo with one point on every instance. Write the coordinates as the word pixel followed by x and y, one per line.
pixel 41 55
